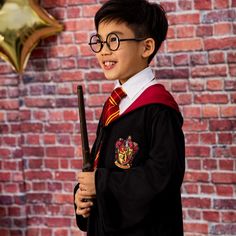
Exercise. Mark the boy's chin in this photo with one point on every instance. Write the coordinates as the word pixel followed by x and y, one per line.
pixel 111 78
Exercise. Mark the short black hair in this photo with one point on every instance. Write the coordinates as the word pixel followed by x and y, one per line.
pixel 145 19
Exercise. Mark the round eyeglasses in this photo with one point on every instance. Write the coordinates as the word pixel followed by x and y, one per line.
pixel 112 41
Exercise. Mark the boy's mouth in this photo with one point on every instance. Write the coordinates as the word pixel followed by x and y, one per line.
pixel 109 64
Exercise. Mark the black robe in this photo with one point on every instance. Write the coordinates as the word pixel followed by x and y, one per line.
pixel 138 191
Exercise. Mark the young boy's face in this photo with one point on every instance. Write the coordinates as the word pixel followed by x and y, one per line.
pixel 127 60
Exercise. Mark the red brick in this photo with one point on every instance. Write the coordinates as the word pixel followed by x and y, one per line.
pixel 226 165
pixel 184 45
pixel 52 164
pixel 207 138
pixel 185 4
pixel 224 190
pixel 196 227
pixel 221 125
pixel 209 164
pixel 184 19
pixel 219 16
pixel 231 57
pixel 90 11
pixel 59 128
pixel 211 216
pixel 224 204
pixel 62 51
pixel 55 116
pixel 73 12
pixel 215 85
pixel 209 71
pixel 171 32
pixel 202 5
pixel 42 175
pixel 5 176
pixel 49 139
pixel 79 25
pixel 8 104
pixel 195 125
pixel 35 163
pixel 207 189
pixel 175 74
pixel 31 127
pixel 211 98
pixel 191 138
pixel 225 138
pixel 70 115
pixel 39 197
pixel 181 60
pixel 223 29
pixel 229 111
pixel 191 188
pixel 192 112
pixel 39 187
pixel 222 43
pixel 63 198
pixel 60 152
pixel 179 86
pixel 68 63
pixel 58 222
pixel 216 57
pixel 199 59
pixel 193 214
pixel 185 32
pixel 196 177
pixel 33 139
pixel 224 178
pixel 210 111
pixel 229 216
pixel 193 164
pixel 33 151
pixel 196 202
pixel 219 4
pixel 197 85
pixel 232 70
pixel 204 30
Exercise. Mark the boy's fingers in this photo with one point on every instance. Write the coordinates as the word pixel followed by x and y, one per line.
pixel 83 211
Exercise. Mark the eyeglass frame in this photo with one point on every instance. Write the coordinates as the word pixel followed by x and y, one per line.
pixel 108 45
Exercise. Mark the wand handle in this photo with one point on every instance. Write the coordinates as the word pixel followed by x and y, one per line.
pixel 87 165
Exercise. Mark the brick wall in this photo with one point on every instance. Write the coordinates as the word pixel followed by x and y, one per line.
pixel 39 125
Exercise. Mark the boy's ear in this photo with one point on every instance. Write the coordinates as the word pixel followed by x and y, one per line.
pixel 149 47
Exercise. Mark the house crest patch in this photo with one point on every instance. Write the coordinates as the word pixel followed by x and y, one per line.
pixel 125 151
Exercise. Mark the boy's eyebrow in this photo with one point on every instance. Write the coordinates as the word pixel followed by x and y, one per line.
pixel 113 32
pixel 117 32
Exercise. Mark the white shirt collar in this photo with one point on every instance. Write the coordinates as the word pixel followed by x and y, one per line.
pixel 137 82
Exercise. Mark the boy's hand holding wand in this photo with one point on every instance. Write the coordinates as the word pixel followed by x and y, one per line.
pixel 86 178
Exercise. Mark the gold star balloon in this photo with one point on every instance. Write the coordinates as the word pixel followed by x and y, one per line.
pixel 23 23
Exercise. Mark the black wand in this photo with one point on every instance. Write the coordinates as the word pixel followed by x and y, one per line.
pixel 87 164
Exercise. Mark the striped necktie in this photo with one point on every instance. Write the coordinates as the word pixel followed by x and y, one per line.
pixel 111 108
pixel 110 112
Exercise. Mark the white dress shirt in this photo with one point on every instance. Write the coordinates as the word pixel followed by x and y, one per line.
pixel 134 87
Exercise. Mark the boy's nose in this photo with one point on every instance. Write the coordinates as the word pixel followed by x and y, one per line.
pixel 105 49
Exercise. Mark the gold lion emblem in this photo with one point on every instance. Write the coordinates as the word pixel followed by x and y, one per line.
pixel 126 149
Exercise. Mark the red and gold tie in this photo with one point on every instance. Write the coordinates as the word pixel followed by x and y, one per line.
pixel 111 109
pixel 110 112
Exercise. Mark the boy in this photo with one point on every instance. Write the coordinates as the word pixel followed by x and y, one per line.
pixel 139 150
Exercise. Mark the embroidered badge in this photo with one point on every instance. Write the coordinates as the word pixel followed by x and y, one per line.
pixel 125 152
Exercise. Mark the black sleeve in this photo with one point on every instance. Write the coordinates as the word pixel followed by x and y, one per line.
pixel 124 197
pixel 80 220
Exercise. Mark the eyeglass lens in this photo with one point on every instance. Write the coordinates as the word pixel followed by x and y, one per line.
pixel 112 41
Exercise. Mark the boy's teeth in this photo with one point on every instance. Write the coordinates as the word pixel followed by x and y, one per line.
pixel 109 63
